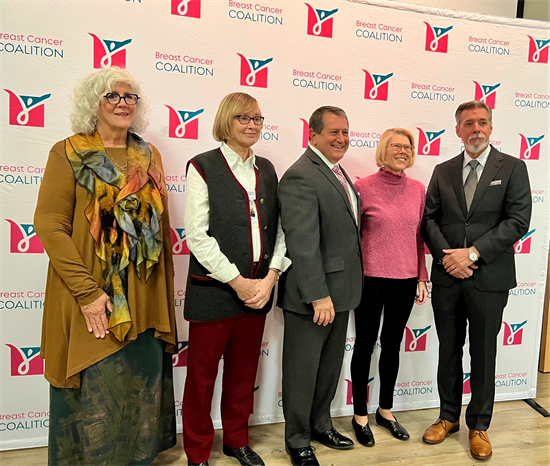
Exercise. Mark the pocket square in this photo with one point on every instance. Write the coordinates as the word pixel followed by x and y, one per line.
pixel 495 183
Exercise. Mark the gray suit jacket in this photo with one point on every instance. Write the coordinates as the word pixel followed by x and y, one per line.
pixel 498 217
pixel 322 237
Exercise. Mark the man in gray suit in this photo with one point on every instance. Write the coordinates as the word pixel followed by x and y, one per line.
pixel 478 205
pixel 319 215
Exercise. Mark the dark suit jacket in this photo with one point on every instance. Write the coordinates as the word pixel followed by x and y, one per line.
pixel 498 217
pixel 322 237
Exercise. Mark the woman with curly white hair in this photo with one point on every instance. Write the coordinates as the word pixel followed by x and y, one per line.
pixel 109 323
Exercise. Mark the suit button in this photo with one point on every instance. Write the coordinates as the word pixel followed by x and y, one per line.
pixel 266 256
pixel 262 201
pixel 467 224
pixel 265 227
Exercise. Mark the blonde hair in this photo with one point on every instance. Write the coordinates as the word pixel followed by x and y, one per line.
pixel 88 93
pixel 385 140
pixel 231 106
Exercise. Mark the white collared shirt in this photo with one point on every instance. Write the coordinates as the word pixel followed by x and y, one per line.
pixel 482 159
pixel 197 217
pixel 350 189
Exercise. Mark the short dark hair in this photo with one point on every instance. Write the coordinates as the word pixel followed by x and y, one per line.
pixel 317 118
pixel 471 105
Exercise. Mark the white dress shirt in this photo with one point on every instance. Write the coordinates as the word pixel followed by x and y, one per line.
pixel 482 159
pixel 350 189
pixel 197 216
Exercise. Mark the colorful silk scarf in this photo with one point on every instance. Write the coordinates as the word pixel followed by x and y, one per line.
pixel 124 214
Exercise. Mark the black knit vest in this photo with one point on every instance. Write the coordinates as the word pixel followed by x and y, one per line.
pixel 229 223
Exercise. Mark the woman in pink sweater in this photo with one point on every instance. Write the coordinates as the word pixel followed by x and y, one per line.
pixel 394 266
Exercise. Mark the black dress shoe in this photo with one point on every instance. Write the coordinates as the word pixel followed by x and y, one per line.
pixel 196 464
pixel 302 456
pixel 396 429
pixel 333 439
pixel 363 434
pixel 245 455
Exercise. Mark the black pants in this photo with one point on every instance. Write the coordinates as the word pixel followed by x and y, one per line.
pixel 312 362
pixel 454 306
pixel 396 297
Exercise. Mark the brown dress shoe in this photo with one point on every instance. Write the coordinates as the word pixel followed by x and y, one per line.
pixel 437 432
pixel 480 446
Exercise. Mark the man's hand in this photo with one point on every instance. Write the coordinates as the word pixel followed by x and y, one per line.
pixel 457 262
pixel 264 291
pixel 246 288
pixel 324 311
pixel 96 315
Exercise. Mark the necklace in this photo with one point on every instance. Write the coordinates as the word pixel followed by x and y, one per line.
pixel 122 168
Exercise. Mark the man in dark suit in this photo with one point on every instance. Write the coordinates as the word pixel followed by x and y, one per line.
pixel 478 205
pixel 319 216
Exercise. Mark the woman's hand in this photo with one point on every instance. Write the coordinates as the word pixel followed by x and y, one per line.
pixel 96 316
pixel 422 293
pixel 264 291
pixel 246 288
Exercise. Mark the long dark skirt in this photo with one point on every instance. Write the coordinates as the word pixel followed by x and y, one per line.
pixel 123 412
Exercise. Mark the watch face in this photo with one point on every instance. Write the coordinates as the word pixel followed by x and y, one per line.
pixel 473 256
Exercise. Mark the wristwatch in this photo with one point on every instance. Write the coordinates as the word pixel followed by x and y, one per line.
pixel 472 255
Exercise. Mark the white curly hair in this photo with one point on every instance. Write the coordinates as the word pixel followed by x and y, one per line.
pixel 88 93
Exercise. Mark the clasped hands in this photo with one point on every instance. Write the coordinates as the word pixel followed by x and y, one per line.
pixel 254 292
pixel 457 263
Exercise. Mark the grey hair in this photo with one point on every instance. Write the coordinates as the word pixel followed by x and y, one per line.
pixel 471 105
pixel 317 118
pixel 88 93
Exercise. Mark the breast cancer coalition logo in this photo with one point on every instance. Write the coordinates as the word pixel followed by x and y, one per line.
pixel 320 22
pixel 26 110
pixel 538 50
pixel 523 246
pixel 109 52
pixel 466 389
pixel 349 391
pixel 179 242
pixel 513 333
pixel 415 339
pixel 187 8
pixel 183 124
pixel 437 39
pixel 530 147
pixel 180 359
pixel 376 86
pixel 25 361
pixel 305 133
pixel 254 71
pixel 487 94
pixel 23 238
pixel 429 143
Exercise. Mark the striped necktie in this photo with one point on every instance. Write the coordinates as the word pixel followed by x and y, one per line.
pixel 336 169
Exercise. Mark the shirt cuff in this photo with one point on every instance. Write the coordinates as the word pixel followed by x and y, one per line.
pixel 280 262
pixel 225 275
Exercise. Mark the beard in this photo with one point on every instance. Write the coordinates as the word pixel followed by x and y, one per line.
pixel 476 145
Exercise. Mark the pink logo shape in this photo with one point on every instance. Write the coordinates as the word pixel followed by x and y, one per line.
pixel 187 8
pixel 179 242
pixel 466 389
pixel 320 22
pixel 487 94
pixel 523 246
pixel 254 72
pixel 23 239
pixel 305 134
pixel 25 361
pixel 109 53
pixel 415 339
pixel 183 124
pixel 426 250
pixel 180 359
pixel 349 391
pixel 513 333
pixel 437 39
pixel 25 110
pixel 538 50
pixel 429 143
pixel 530 147
pixel 376 86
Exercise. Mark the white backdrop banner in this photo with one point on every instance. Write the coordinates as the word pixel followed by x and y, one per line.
pixel 387 64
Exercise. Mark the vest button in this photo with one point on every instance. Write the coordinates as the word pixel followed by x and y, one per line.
pixel 266 256
pixel 265 227
pixel 262 201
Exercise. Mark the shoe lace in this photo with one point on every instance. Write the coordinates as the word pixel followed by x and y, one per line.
pixel 309 449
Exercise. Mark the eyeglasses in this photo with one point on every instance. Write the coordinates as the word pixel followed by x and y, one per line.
pixel 114 98
pixel 245 119
pixel 398 147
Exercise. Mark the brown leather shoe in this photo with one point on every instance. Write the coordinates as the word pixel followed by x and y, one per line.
pixel 437 432
pixel 480 446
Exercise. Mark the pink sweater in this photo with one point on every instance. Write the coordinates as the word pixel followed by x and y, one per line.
pixel 391 211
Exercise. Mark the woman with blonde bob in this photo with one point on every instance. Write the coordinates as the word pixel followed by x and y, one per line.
pixel 392 206
pixel 109 324
pixel 237 254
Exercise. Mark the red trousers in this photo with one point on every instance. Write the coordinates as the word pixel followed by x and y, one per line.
pixel 238 340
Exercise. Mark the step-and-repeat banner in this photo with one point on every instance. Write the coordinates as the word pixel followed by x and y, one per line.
pixel 387 64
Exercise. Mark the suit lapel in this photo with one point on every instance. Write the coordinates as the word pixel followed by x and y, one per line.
pixel 355 193
pixel 455 174
pixel 492 166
